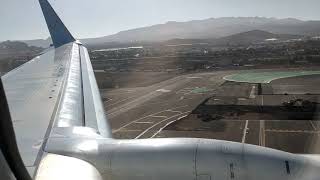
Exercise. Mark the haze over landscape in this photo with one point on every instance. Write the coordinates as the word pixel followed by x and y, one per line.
pixel 209 29
pixel 110 17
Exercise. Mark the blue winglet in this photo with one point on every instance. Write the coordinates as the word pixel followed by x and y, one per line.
pixel 58 31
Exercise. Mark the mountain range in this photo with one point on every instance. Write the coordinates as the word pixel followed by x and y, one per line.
pixel 16 48
pixel 213 28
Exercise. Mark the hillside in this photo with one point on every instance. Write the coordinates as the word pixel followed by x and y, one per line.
pixel 211 29
pixel 44 43
pixel 251 37
pixel 16 48
pixel 245 38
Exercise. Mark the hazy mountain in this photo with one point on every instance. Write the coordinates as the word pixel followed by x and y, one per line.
pixel 177 41
pixel 244 38
pixel 254 36
pixel 212 28
pixel 44 43
pixel 16 48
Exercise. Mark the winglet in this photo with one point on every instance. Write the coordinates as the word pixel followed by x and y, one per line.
pixel 58 31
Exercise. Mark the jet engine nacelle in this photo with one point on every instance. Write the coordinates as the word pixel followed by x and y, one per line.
pixel 185 159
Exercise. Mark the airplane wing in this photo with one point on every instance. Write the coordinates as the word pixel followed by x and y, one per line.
pixel 62 132
pixel 54 90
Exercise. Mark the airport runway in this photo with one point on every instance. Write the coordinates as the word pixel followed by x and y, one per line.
pixel 142 112
pixel 166 109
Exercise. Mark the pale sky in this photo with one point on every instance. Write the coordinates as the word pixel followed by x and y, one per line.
pixel 22 19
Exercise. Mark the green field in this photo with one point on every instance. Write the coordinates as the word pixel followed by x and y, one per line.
pixel 266 77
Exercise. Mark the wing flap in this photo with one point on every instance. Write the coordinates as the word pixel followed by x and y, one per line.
pixel 93 108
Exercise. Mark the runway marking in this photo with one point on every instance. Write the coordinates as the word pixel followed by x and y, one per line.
pixel 292 131
pixel 174 111
pixel 257 120
pixel 131 130
pixel 242 99
pixel 184 92
pixel 128 124
pixel 159 116
pixel 245 132
pixel 188 88
pixel 145 131
pixel 163 90
pixel 107 100
pixel 117 102
pixel 139 122
pixel 294 96
pixel 125 106
pixel 314 127
pixel 252 93
pixel 194 90
pixel 167 125
pixel 262 135
pixel 194 77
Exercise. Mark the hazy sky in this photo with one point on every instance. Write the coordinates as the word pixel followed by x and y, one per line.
pixel 22 19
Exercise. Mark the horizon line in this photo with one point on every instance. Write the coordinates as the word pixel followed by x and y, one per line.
pixel 171 21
